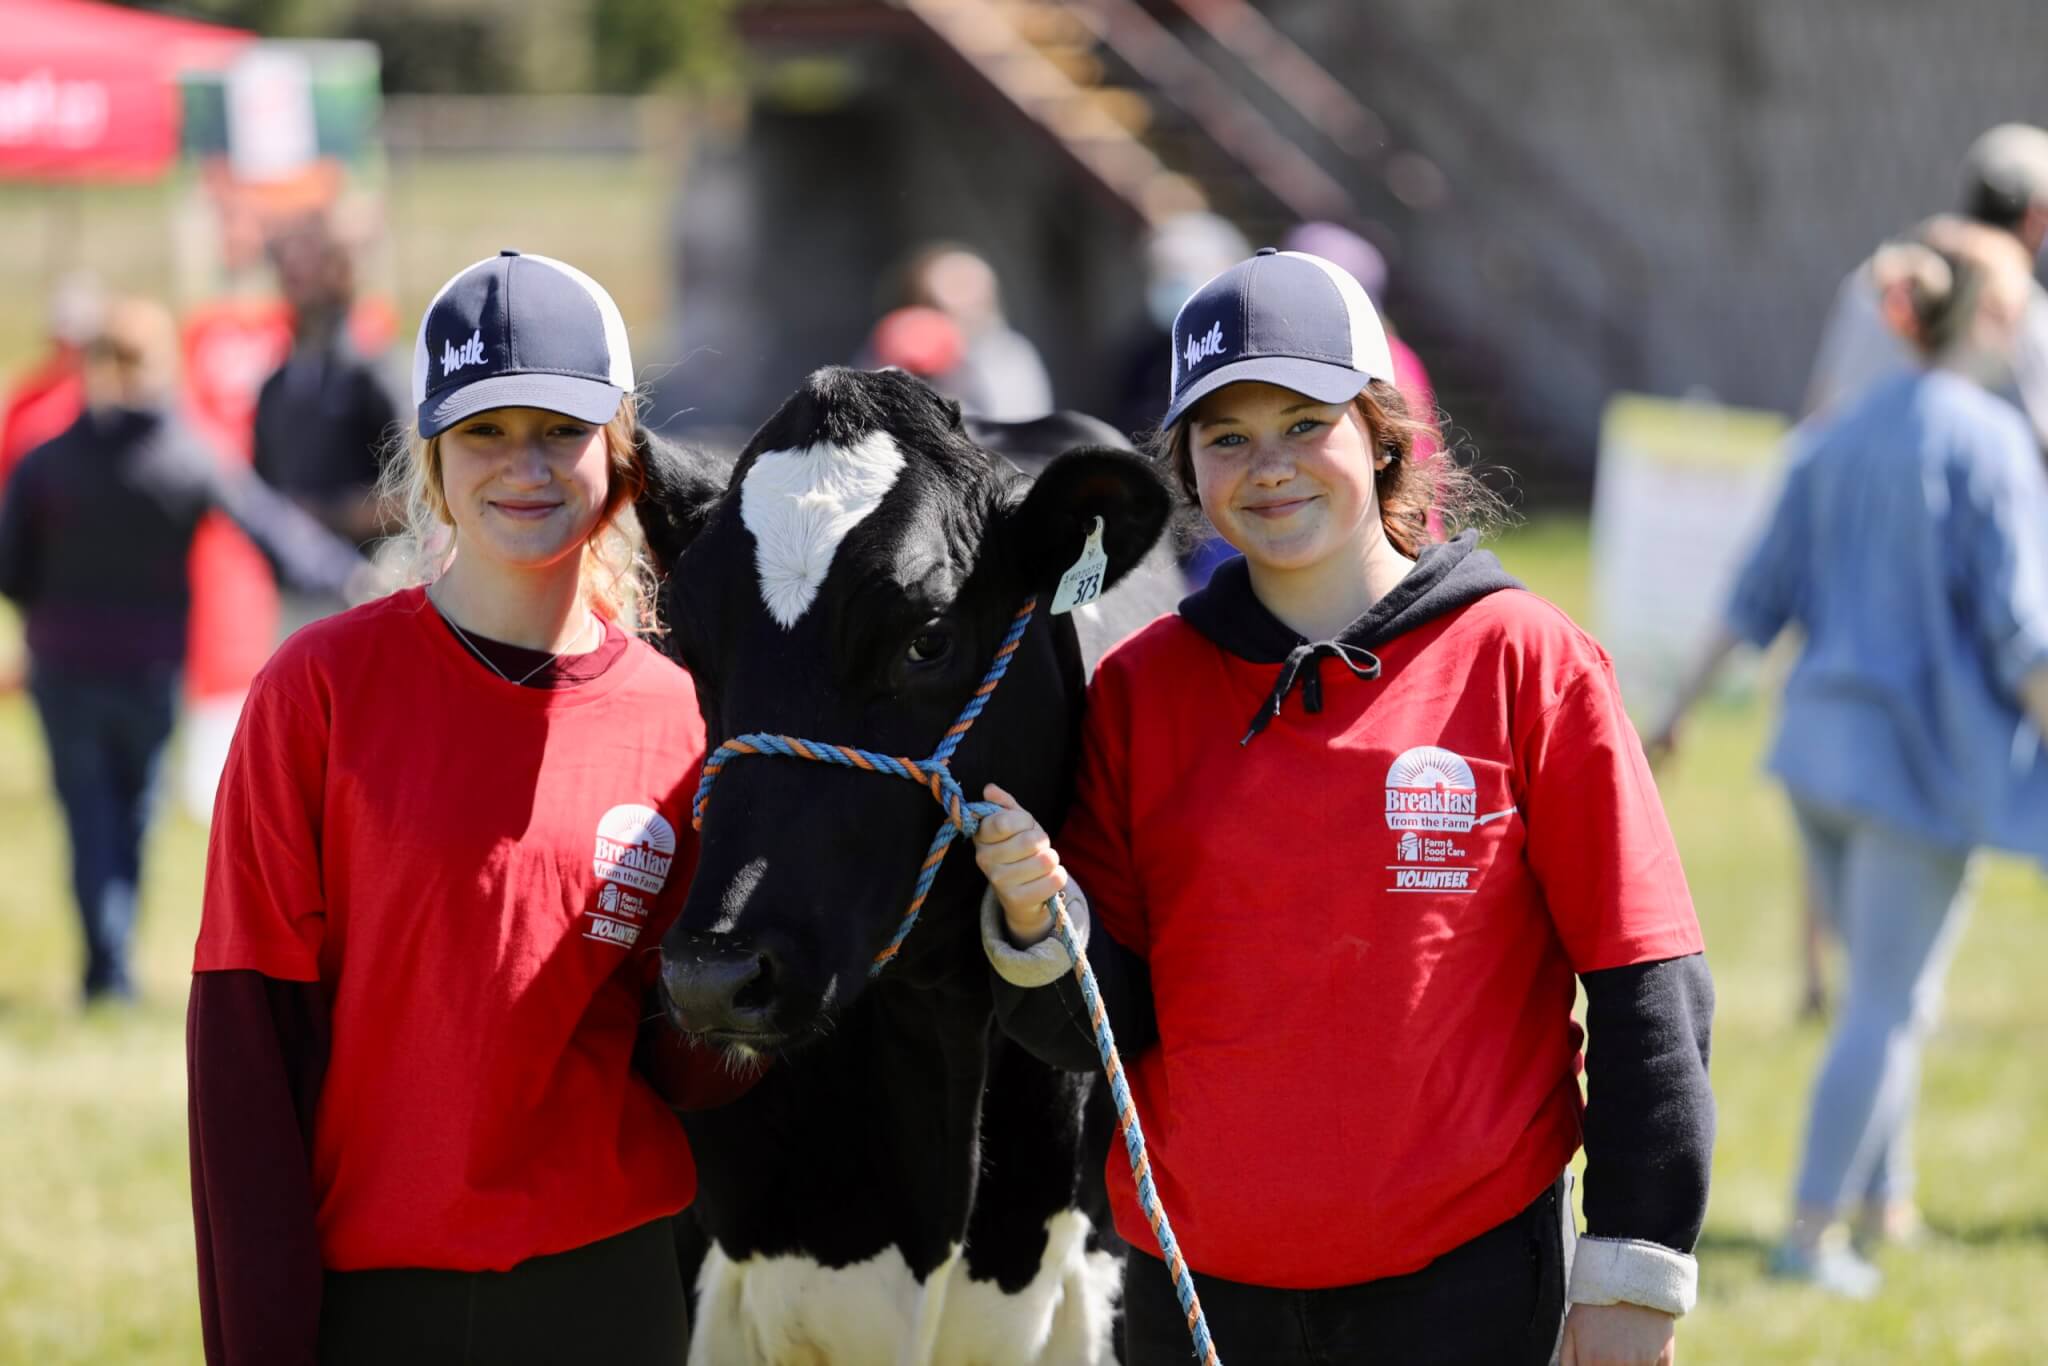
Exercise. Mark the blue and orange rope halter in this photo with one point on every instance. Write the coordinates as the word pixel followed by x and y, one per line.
pixel 964 817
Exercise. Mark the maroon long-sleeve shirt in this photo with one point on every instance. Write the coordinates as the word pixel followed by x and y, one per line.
pixel 256 1052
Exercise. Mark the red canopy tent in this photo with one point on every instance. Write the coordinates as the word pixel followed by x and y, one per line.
pixel 89 91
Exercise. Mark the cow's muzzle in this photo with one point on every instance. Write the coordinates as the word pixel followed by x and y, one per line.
pixel 723 994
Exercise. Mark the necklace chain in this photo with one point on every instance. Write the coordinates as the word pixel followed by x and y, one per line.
pixel 491 664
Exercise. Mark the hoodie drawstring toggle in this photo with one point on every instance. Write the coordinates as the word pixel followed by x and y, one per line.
pixel 1304 665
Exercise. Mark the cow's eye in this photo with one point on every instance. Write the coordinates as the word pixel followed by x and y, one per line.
pixel 932 644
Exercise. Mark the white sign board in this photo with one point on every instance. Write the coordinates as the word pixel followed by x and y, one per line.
pixel 271 134
pixel 1679 496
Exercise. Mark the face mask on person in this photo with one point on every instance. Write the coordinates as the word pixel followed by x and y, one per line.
pixel 1165 295
pixel 119 380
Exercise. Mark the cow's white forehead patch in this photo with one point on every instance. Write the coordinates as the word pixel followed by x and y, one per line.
pixel 802 504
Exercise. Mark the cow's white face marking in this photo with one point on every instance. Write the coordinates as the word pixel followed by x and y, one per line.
pixel 801 504
pixel 789 1311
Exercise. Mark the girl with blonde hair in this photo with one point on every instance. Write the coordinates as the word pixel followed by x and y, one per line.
pixel 451 832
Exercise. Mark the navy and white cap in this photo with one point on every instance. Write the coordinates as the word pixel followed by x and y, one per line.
pixel 1283 317
pixel 516 331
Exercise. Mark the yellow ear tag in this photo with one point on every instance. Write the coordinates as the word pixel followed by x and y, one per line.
pixel 1082 584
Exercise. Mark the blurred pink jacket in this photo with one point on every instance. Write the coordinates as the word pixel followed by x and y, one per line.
pixel 1413 381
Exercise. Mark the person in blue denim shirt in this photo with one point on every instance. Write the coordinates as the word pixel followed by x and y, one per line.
pixel 1910 546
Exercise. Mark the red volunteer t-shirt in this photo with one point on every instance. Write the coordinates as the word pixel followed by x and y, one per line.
pixel 479 875
pixel 1362 930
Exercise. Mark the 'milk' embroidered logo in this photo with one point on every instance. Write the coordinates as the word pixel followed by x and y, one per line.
pixel 1200 348
pixel 471 352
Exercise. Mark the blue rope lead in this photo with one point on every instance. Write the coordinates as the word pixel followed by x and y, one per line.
pixel 964 817
pixel 1134 1136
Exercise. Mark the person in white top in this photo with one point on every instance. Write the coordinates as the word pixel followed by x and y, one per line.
pixel 2005 185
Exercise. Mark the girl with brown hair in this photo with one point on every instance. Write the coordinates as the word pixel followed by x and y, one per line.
pixel 1348 827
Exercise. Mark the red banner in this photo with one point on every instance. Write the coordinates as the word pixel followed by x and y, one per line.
pixel 89 91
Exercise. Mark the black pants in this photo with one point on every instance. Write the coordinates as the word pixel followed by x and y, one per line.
pixel 106 739
pixel 618 1301
pixel 1495 1301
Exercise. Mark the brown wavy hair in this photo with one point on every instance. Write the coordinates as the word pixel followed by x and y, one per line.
pixel 1408 489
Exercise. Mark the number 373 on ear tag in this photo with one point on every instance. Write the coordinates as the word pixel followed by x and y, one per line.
pixel 1083 583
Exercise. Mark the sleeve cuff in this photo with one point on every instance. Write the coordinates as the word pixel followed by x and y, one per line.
pixel 278 954
pixel 1044 962
pixel 1752 624
pixel 1631 1271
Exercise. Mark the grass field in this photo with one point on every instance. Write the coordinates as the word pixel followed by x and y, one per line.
pixel 441 213
pixel 95 1235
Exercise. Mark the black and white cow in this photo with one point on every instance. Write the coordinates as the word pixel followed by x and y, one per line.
pixel 903 1186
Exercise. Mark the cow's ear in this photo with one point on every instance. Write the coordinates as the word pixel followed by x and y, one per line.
pixel 682 487
pixel 1046 532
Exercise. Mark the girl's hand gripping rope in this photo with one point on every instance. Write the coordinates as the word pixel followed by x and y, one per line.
pixel 1016 856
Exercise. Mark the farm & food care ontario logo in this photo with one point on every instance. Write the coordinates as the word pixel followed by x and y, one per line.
pixel 1431 790
pixel 636 847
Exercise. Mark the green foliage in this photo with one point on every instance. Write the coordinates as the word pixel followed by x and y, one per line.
pixel 269 18
pixel 612 47
pixel 425 52
pixel 639 45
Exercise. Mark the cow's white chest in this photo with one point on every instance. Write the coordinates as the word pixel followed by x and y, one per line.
pixel 789 1311
pixel 801 505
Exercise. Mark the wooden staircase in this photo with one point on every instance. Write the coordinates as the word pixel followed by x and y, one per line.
pixel 1522 299
pixel 1135 107
pixel 1044 57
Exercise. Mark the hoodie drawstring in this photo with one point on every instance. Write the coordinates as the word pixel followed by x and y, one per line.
pixel 1308 656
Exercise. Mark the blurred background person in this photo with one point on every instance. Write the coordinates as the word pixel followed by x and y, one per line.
pixel 999 374
pixel 2005 187
pixel 1369 267
pixel 324 418
pixel 1181 255
pixel 47 399
pixel 923 341
pixel 1910 546
pixel 95 529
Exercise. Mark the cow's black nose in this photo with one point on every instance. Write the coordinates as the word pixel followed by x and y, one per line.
pixel 717 990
